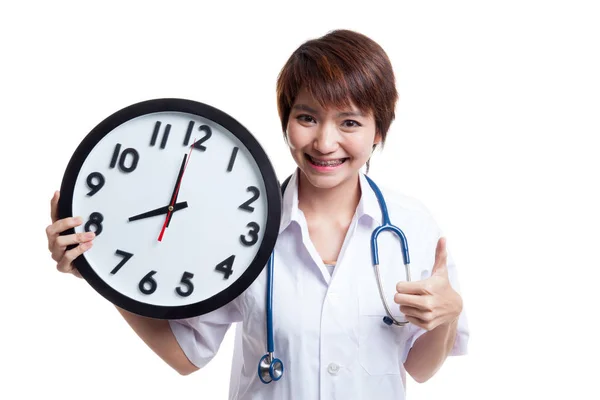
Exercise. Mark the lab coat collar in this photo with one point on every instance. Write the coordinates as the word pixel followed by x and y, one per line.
pixel 368 204
pixel 290 203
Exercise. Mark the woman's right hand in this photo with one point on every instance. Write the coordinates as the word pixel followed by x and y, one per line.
pixel 57 243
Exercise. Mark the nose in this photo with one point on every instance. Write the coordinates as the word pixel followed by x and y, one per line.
pixel 326 140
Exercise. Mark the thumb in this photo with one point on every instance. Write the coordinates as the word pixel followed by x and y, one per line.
pixel 441 256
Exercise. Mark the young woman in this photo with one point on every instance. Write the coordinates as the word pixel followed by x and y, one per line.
pixel 336 97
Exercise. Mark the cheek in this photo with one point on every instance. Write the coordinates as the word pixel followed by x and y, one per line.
pixel 361 149
pixel 292 140
pixel 297 136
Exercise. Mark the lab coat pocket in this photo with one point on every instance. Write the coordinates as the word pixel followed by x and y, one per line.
pixel 379 344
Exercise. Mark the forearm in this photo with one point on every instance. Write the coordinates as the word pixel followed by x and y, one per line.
pixel 430 351
pixel 157 334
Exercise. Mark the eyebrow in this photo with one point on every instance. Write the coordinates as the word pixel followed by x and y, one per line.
pixel 311 110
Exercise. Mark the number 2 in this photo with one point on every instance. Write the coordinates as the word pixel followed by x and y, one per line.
pixel 255 195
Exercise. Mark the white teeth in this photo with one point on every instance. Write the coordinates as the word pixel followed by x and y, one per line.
pixel 330 163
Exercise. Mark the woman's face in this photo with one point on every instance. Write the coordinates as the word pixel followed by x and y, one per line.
pixel 329 145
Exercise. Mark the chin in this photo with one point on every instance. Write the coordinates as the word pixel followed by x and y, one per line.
pixel 326 181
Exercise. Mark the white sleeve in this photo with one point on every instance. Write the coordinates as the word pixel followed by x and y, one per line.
pixel 200 337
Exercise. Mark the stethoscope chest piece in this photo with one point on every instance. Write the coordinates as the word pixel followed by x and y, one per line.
pixel 270 368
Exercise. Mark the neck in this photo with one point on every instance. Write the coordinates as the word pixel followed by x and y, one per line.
pixel 337 204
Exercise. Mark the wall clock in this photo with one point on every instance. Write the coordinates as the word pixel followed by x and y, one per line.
pixel 185 204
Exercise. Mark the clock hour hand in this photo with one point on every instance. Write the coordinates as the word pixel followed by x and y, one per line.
pixel 159 211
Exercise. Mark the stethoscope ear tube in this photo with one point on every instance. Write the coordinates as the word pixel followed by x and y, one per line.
pixel 387 226
pixel 403 243
pixel 389 319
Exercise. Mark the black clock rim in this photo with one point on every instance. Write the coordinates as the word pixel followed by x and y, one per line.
pixel 273 195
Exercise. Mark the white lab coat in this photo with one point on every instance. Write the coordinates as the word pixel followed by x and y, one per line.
pixel 328 329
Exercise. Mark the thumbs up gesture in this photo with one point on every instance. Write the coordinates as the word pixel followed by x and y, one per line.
pixel 431 302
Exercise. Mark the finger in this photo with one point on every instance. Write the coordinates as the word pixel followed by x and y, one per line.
pixel 440 256
pixel 66 262
pixel 57 248
pixel 53 231
pixel 414 287
pixel 427 325
pixel 416 321
pixel 54 206
pixel 82 237
pixel 425 316
pixel 62 225
pixel 411 300
pixel 57 253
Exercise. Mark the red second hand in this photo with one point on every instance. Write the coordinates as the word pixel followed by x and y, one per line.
pixel 162 231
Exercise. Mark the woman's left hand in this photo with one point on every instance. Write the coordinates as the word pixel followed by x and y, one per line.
pixel 431 302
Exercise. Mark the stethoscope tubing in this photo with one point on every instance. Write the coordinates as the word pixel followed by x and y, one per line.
pixel 270 368
pixel 270 267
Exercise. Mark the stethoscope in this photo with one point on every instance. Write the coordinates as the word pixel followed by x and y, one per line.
pixel 271 368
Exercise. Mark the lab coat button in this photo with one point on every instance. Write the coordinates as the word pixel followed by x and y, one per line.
pixel 333 368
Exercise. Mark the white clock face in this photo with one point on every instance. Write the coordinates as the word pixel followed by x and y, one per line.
pixel 180 209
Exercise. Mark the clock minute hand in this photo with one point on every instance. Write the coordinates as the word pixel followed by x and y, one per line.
pixel 159 211
pixel 175 189
pixel 186 160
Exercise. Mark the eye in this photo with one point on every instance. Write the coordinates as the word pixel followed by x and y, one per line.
pixel 350 123
pixel 305 118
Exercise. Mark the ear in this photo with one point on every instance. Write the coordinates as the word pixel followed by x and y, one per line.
pixel 377 139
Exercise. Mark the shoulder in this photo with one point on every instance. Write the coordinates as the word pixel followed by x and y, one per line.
pixel 400 200
pixel 403 205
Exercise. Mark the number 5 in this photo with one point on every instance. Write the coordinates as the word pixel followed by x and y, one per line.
pixel 185 280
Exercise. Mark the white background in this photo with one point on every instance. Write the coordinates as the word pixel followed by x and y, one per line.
pixel 496 133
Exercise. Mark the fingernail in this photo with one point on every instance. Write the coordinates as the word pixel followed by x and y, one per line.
pixel 90 235
pixel 78 220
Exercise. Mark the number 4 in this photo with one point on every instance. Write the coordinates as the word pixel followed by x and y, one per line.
pixel 226 267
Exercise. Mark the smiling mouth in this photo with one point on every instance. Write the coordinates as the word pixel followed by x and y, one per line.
pixel 328 163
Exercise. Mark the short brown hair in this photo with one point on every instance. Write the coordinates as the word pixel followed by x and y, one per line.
pixel 340 66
